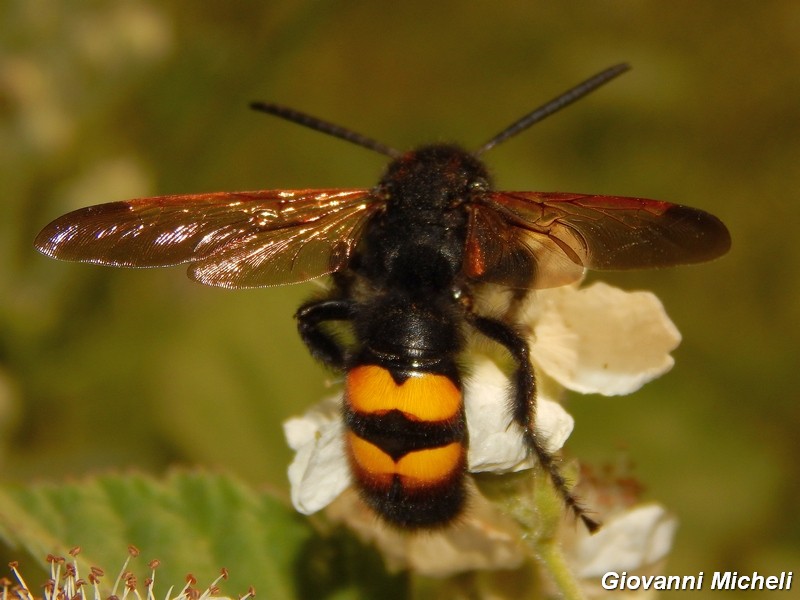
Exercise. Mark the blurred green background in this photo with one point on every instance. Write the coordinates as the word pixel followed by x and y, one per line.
pixel 102 101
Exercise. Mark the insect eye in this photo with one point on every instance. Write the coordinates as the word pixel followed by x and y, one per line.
pixel 479 185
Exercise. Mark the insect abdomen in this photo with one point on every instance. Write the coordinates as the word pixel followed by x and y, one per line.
pixel 407 444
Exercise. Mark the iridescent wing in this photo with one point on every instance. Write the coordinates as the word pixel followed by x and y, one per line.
pixel 229 239
pixel 540 240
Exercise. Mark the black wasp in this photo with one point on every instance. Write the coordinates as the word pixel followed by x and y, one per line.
pixel 407 256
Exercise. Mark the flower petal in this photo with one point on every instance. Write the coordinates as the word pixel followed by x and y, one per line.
pixel 632 540
pixel 319 471
pixel 482 538
pixel 495 442
pixel 600 339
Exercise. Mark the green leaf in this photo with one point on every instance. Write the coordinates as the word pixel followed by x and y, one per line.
pixel 192 522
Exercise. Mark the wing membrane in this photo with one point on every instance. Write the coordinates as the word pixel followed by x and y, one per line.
pixel 534 239
pixel 240 239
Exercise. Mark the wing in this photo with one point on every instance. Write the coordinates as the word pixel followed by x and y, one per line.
pixel 534 239
pixel 235 240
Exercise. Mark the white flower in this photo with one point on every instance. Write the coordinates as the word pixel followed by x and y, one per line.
pixel 481 539
pixel 600 339
pixel 319 471
pixel 630 541
pixel 495 442
pixel 596 339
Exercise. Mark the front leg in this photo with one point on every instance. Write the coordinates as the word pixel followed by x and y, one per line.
pixel 523 405
pixel 323 345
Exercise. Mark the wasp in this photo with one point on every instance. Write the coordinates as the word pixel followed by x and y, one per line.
pixel 407 258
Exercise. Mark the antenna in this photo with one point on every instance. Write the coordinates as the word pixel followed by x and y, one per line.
pixel 576 93
pixel 317 124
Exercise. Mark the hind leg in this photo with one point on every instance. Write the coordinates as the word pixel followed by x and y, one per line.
pixel 523 404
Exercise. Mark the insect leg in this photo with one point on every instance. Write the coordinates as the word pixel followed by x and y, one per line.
pixel 524 406
pixel 323 345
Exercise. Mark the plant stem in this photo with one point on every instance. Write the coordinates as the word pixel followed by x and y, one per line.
pixel 550 554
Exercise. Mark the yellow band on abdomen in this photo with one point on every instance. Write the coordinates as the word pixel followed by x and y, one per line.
pixel 419 468
pixel 421 397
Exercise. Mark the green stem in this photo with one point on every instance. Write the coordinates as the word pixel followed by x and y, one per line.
pixel 542 525
pixel 549 552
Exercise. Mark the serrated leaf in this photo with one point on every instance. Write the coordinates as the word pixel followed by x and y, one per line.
pixel 192 522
